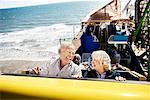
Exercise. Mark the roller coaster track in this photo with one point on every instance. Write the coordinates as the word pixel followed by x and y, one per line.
pixel 141 34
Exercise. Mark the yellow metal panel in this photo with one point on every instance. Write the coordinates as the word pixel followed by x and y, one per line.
pixel 74 89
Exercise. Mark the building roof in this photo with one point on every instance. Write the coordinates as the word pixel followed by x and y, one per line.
pixel 104 13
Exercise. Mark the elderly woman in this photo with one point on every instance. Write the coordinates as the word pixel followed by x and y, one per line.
pixel 101 64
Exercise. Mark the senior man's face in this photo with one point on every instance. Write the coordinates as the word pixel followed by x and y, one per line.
pixel 67 54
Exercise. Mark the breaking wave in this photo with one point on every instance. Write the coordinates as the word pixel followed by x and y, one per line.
pixel 39 43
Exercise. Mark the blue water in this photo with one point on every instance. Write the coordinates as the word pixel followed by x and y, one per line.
pixel 34 33
pixel 17 19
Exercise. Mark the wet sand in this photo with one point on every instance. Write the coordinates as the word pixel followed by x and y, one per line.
pixel 16 66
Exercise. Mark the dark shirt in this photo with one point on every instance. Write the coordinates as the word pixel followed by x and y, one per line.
pixel 91 73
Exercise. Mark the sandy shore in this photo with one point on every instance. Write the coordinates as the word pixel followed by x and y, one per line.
pixel 16 66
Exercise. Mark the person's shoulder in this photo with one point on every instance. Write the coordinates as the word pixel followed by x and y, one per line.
pixel 73 64
pixel 52 61
pixel 89 73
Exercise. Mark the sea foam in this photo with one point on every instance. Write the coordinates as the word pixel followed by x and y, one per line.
pixel 39 43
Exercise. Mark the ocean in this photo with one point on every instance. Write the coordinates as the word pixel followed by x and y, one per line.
pixel 34 32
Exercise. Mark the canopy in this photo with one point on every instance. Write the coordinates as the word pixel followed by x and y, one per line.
pixel 104 13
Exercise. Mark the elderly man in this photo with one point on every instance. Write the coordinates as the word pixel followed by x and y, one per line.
pixel 63 66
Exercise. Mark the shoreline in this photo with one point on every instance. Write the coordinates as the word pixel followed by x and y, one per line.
pixel 16 66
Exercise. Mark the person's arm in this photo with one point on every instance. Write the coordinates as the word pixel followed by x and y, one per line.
pixel 40 70
pixel 118 77
pixel 115 75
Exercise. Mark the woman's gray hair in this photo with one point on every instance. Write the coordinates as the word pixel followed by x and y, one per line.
pixel 101 55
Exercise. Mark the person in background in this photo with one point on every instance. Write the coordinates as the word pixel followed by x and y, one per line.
pixel 115 55
pixel 62 66
pixel 77 59
pixel 101 64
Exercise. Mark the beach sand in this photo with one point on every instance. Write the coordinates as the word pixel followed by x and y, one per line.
pixel 16 66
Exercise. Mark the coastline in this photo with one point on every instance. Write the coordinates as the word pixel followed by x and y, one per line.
pixel 16 66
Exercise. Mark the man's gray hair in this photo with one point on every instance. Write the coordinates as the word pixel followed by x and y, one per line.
pixel 66 45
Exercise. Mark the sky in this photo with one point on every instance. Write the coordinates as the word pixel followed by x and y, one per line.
pixel 20 3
